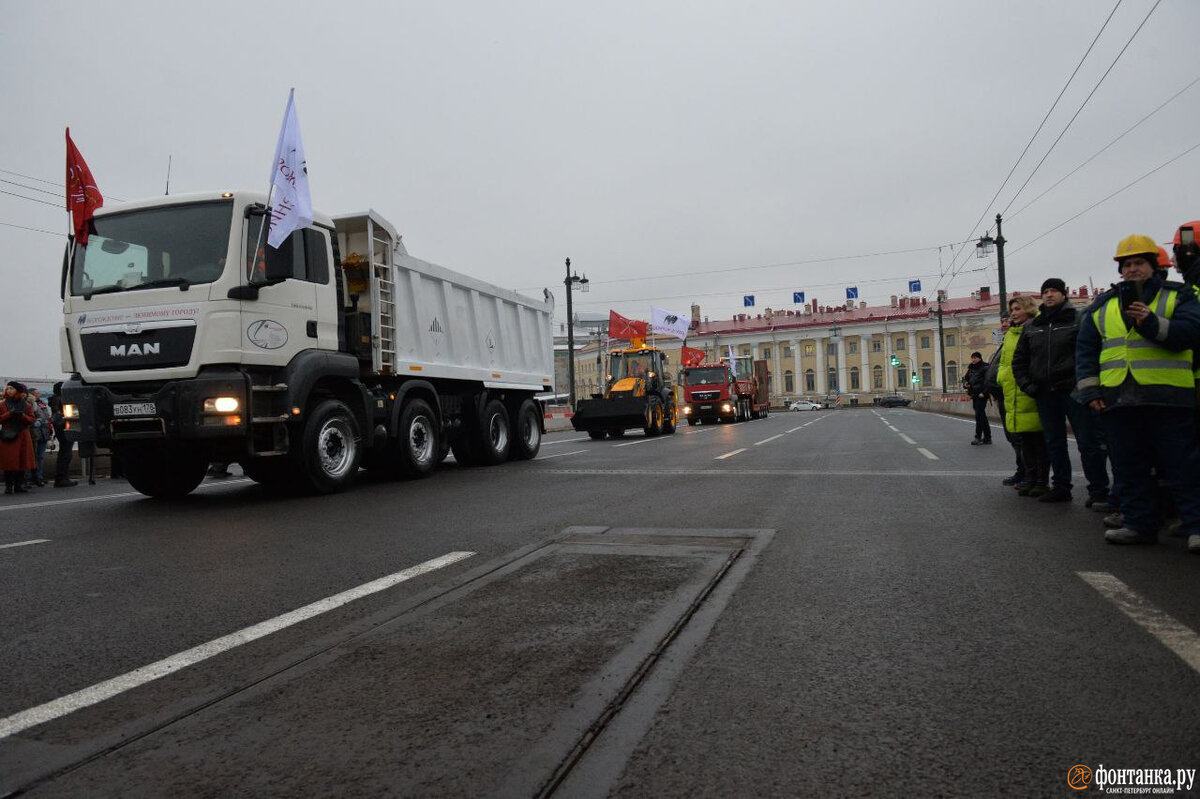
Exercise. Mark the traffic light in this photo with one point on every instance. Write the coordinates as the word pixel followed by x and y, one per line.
pixel 915 379
pixel 895 361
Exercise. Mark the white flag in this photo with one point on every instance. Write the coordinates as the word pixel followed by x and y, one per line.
pixel 291 208
pixel 666 322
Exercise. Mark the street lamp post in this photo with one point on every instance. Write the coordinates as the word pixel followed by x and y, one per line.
pixel 835 337
pixel 941 339
pixel 570 283
pixel 984 248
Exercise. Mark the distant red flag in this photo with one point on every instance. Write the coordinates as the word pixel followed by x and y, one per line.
pixel 83 196
pixel 691 356
pixel 620 327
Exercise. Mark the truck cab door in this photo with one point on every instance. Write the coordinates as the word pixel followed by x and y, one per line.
pixel 284 319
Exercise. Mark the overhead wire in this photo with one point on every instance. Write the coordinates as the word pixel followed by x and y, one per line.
pixel 1099 152
pixel 60 195
pixel 1106 199
pixel 1082 106
pixel 1032 138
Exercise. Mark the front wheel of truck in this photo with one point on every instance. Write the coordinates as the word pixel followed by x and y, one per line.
pixel 164 472
pixel 330 448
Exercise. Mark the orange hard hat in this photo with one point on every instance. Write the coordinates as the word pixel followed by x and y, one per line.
pixel 1164 260
pixel 1195 226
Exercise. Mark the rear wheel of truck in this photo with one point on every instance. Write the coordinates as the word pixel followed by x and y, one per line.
pixel 526 432
pixel 670 419
pixel 164 472
pixel 597 435
pixel 654 417
pixel 495 440
pixel 415 451
pixel 329 448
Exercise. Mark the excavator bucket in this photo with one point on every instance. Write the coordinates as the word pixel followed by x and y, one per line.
pixel 615 413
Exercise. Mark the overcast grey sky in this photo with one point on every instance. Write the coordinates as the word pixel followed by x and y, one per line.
pixel 642 139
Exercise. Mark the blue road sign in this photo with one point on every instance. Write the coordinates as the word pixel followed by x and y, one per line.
pixel 852 292
pixel 798 297
pixel 748 300
pixel 914 286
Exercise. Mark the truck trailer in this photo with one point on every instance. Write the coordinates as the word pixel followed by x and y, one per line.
pixel 190 341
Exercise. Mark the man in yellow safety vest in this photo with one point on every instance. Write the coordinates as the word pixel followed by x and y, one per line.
pixel 1134 365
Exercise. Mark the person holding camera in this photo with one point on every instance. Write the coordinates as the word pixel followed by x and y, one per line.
pixel 1134 366
pixel 1044 368
pixel 16 446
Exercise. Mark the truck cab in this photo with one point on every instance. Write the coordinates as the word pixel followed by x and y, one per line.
pixel 709 393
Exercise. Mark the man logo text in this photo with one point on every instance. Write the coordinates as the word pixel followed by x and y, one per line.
pixel 121 351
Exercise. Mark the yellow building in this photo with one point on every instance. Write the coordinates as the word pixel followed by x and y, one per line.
pixel 821 350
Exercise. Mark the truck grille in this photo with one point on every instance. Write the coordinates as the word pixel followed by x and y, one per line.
pixel 704 396
pixel 153 348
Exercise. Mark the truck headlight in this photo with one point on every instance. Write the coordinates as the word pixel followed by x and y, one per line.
pixel 727 407
pixel 221 404
pixel 687 410
pixel 70 411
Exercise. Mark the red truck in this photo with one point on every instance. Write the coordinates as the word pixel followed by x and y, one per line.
pixel 714 393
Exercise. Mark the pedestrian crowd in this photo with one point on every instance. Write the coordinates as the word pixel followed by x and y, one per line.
pixel 1124 374
pixel 28 424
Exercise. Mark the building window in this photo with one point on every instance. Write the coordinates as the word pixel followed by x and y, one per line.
pixel 852 347
pixel 924 342
pixel 831 380
pixel 877 377
pixel 831 350
pixel 789 383
pixel 900 343
pixel 876 345
pixel 787 351
pixel 949 339
pixel 854 381
pixel 926 374
pixel 746 351
pixel 810 380
pixel 766 353
pixel 951 373
pixel 901 377
pixel 810 348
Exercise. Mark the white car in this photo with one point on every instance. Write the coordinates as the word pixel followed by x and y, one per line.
pixel 805 405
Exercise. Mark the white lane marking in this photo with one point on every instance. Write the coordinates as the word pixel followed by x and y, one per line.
pixel 668 472
pixel 26 543
pixel 559 455
pixel 894 430
pixel 109 688
pixel 906 439
pixel 1173 635
pixel 794 429
pixel 991 424
pixel 52 502
pixel 646 440
pixel 564 441
pixel 729 454
pixel 927 454
pixel 765 440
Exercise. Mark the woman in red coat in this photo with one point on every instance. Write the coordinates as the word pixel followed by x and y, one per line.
pixel 16 446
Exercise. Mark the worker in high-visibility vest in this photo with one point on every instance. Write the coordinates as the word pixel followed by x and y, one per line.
pixel 1134 365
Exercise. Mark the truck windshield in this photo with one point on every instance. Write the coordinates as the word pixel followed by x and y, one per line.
pixel 631 366
pixel 172 246
pixel 713 376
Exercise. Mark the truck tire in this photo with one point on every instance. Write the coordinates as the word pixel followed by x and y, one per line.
pixel 487 441
pixel 597 435
pixel 616 432
pixel 692 421
pixel 271 472
pixel 164 472
pixel 526 432
pixel 654 417
pixel 670 419
pixel 415 451
pixel 329 450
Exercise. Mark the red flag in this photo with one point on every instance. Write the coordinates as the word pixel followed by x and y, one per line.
pixel 691 356
pixel 620 327
pixel 83 197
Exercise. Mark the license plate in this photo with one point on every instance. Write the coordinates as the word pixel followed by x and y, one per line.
pixel 706 407
pixel 134 409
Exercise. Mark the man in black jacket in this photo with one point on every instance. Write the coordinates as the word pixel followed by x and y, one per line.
pixel 975 382
pixel 1044 368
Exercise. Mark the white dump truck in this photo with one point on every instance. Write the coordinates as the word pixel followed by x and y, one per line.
pixel 190 341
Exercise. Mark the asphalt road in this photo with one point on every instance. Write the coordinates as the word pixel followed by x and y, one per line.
pixel 819 603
